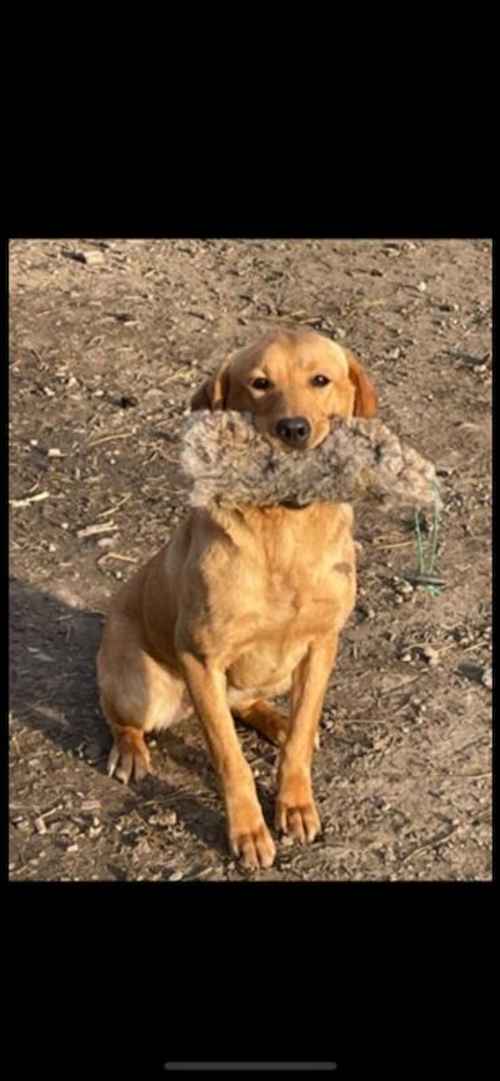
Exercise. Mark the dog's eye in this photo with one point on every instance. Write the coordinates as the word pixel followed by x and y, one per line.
pixel 261 384
pixel 320 381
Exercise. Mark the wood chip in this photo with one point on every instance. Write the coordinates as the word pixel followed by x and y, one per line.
pixel 91 530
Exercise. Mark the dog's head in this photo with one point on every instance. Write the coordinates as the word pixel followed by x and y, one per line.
pixel 293 382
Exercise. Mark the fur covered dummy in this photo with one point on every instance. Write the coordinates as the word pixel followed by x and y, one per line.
pixel 225 460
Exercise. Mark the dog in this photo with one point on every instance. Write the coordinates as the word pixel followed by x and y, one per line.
pixel 245 604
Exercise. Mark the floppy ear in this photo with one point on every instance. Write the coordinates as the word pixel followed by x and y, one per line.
pixel 214 393
pixel 366 397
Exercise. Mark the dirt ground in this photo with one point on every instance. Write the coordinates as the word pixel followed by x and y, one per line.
pixel 104 356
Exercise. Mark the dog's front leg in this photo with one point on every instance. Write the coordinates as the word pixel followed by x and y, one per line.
pixel 249 836
pixel 295 808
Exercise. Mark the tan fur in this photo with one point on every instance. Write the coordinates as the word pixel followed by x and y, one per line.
pixel 244 604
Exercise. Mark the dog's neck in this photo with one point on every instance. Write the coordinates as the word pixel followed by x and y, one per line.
pixel 275 518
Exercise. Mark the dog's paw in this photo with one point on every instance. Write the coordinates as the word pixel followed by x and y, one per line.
pixel 254 848
pixel 129 756
pixel 249 837
pixel 300 822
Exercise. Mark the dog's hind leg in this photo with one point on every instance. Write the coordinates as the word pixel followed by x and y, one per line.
pixel 137 696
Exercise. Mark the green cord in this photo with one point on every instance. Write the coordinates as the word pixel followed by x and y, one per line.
pixel 421 568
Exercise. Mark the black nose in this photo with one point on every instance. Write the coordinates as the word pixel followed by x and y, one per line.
pixel 293 430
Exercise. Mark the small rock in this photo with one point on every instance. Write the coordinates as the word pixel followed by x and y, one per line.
pixel 163 818
pixel 403 586
pixel 339 332
pixel 286 841
pixel 54 452
pixel 40 825
pixel 177 875
pixel 91 258
pixel 105 542
pixel 72 848
pixel 487 678
pixel 49 392
pixel 22 824
pixel 52 548
pixel 431 655
pixel 34 442
pixel 406 657
pixel 394 353
pixel 422 288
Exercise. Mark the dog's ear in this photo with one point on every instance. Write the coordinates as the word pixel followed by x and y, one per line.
pixel 366 397
pixel 214 392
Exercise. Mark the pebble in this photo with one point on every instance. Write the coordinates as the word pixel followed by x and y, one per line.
pixel 91 805
pixel 163 818
pixel 402 585
pixel 177 875
pixel 431 655
pixel 40 825
pixel 339 332
pixel 286 841
pixel 72 848
pixel 406 657
pixel 487 678
pixel 422 288
pixel 105 542
pixel 91 258
pixel 394 353
pixel 54 452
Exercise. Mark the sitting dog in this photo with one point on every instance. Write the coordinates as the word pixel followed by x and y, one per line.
pixel 244 604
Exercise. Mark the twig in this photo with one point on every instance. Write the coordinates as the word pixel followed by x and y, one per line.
pixel 103 513
pixel 30 499
pixel 400 686
pixel 116 555
pixel 395 544
pixel 104 438
pixel 439 837
pixel 486 774
pixel 91 530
